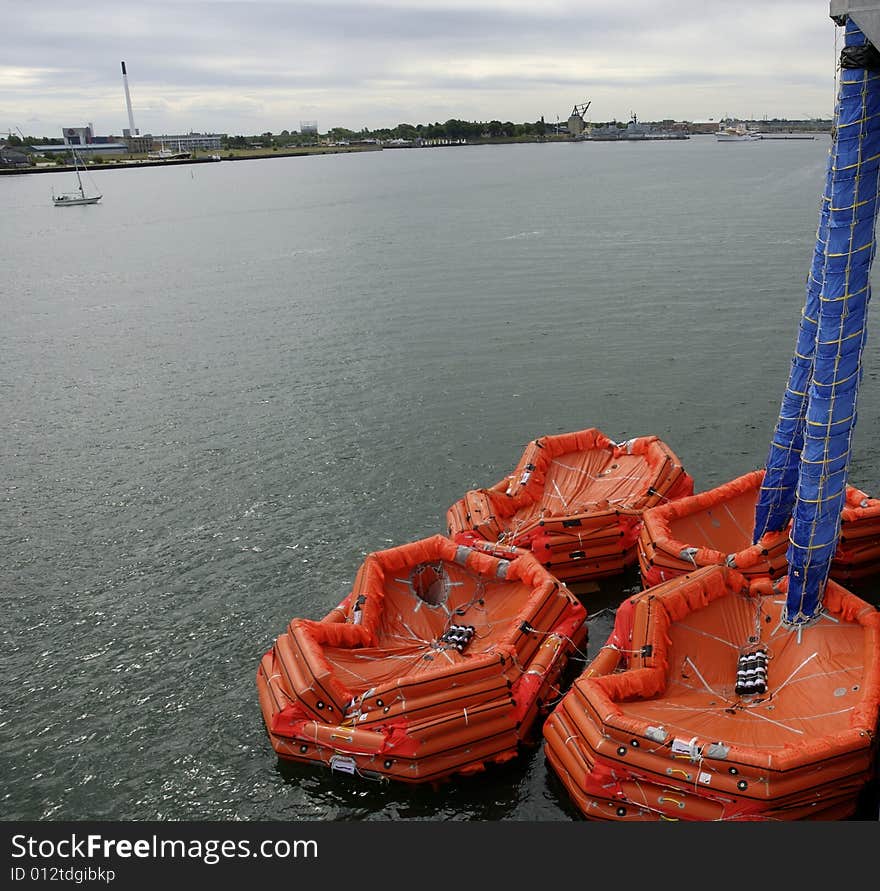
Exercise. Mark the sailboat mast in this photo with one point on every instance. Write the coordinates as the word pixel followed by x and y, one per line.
pixel 78 177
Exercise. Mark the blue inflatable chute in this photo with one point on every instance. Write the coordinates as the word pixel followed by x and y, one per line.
pixel 808 461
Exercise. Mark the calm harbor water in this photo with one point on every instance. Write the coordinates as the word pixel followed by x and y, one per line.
pixel 225 384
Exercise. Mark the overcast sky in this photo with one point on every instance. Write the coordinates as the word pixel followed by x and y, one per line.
pixel 248 66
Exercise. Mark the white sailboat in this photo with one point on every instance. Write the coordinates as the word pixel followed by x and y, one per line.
pixel 79 196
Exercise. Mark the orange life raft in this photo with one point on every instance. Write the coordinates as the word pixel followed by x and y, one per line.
pixel 701 706
pixel 439 661
pixel 575 500
pixel 715 527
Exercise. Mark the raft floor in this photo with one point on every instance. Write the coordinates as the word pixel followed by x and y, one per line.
pixel 814 677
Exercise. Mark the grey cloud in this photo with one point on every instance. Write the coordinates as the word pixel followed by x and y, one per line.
pixel 246 54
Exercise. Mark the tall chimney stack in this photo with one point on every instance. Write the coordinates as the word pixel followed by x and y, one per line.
pixel 132 130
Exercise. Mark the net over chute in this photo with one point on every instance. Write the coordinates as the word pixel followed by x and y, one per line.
pixel 808 460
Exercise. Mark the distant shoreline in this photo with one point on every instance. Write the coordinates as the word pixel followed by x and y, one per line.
pixel 239 155
pixel 176 162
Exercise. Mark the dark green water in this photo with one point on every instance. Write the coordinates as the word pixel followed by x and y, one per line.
pixel 225 384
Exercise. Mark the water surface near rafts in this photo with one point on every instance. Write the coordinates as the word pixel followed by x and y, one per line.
pixel 226 383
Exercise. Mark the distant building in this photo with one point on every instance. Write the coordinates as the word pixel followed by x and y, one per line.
pixel 137 144
pixel 704 126
pixel 673 126
pixel 86 142
pixel 15 156
pixel 189 142
pixel 575 125
pixel 84 151
pixel 131 142
pixel 77 135
pixel 772 125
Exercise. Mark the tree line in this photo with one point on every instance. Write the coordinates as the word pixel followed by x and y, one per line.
pixel 452 129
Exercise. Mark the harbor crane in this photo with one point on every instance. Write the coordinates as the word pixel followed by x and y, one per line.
pixel 576 123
